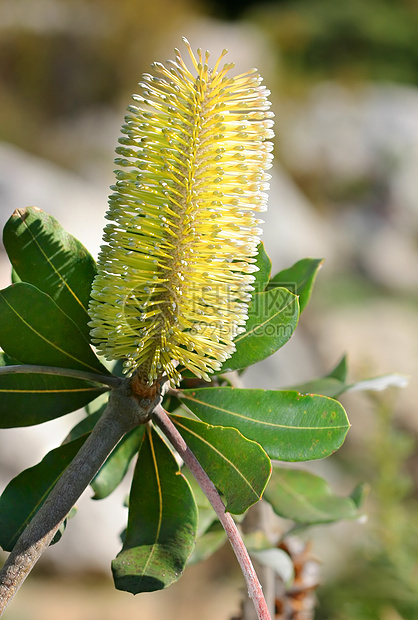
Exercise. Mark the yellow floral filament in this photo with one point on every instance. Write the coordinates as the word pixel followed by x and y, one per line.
pixel 175 273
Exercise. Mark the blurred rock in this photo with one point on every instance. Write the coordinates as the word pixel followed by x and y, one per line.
pixel 293 229
pixel 360 148
pixel 380 336
pixel 26 180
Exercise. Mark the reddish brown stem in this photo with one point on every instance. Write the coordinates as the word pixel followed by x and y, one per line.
pixel 255 592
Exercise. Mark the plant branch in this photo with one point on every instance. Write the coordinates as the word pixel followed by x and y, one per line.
pixel 122 414
pixel 255 592
pixel 111 381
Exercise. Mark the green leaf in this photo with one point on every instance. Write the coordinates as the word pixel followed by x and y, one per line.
pixel 262 276
pixel 161 525
pixel 26 493
pixel 360 494
pixel 334 384
pixel 34 330
pixel 99 404
pixel 272 319
pixel 340 370
pixel 208 543
pixel 288 425
pixel 299 278
pixel 44 254
pixel 306 498
pixel 27 399
pixel 326 386
pixel 14 277
pixel 239 468
pixel 84 426
pixel 114 469
pixel 278 560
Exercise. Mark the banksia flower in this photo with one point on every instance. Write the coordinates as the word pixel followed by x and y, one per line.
pixel 175 273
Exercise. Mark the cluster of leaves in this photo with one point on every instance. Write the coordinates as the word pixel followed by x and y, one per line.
pixel 234 433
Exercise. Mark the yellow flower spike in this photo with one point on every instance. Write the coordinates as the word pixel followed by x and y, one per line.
pixel 175 274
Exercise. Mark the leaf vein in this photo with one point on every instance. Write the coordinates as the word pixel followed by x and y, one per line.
pixel 53 345
pixel 212 447
pixel 259 325
pixel 301 499
pixel 160 502
pixel 262 422
pixel 54 269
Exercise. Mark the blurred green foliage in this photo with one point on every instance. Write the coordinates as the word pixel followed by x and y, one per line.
pixel 354 39
pixel 61 58
pixel 378 577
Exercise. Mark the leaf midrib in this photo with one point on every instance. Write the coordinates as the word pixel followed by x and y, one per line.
pixel 160 504
pixel 262 422
pixel 301 499
pixel 54 269
pixel 270 318
pixel 53 345
pixel 60 391
pixel 222 456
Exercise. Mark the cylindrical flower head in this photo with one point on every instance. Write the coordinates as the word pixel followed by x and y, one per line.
pixel 175 273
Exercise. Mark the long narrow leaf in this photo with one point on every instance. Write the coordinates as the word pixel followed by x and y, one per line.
pixel 262 276
pixel 162 522
pixel 114 469
pixel 306 498
pixel 300 279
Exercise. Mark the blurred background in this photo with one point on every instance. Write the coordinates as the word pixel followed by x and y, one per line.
pixel 344 82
